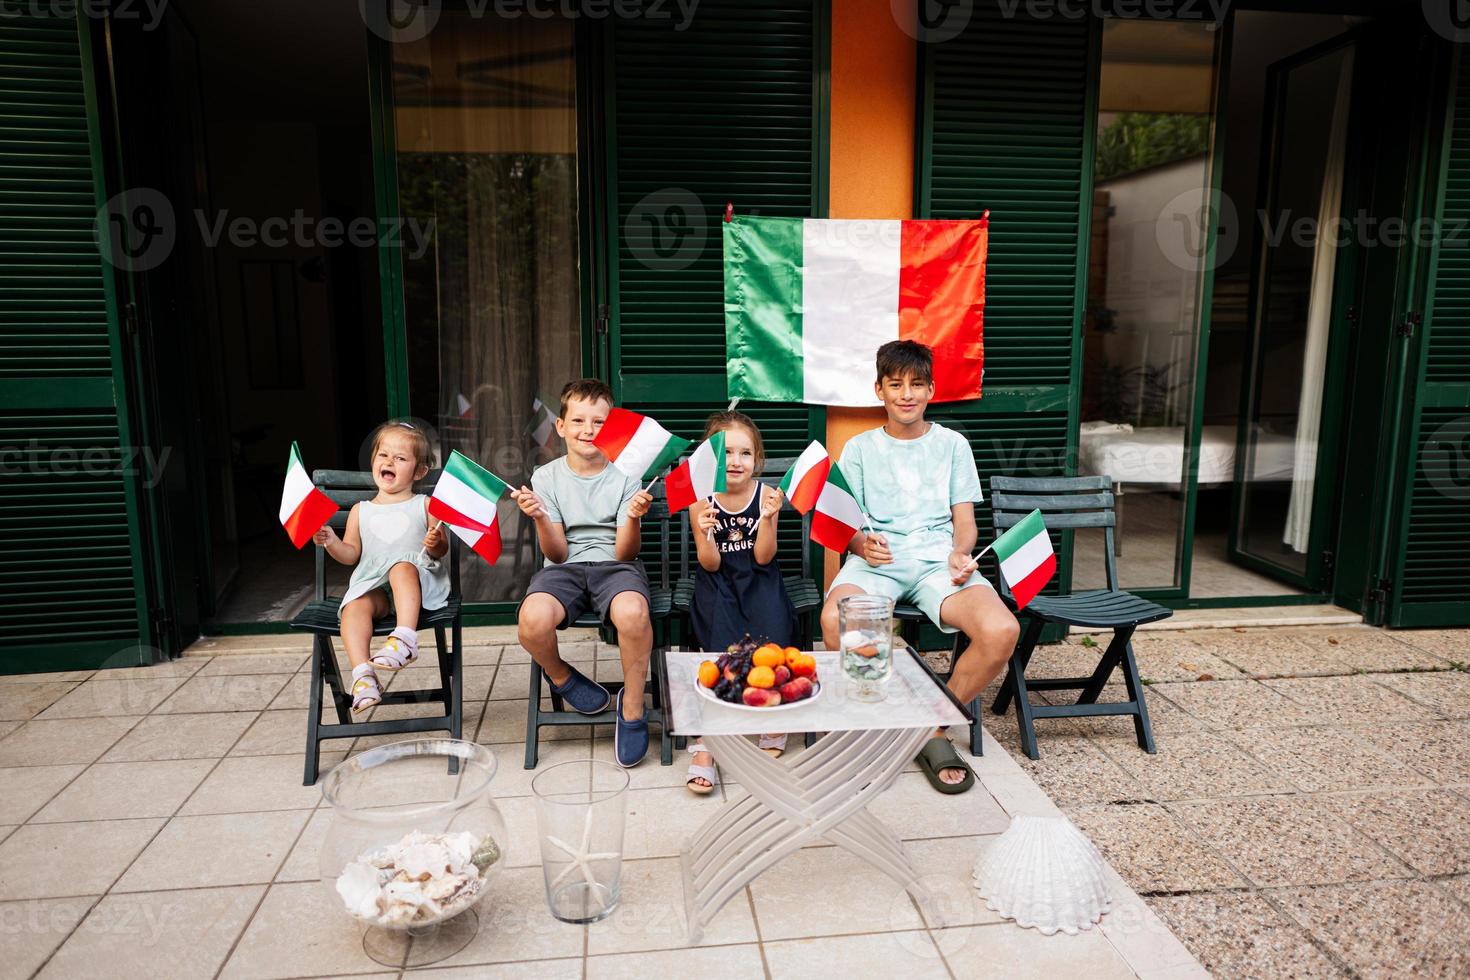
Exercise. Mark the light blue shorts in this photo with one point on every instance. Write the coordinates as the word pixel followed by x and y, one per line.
pixel 925 584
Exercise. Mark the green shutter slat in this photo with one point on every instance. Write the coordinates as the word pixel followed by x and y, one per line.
pixel 1448 333
pixel 1007 132
pixel 67 537
pixel 723 110
pixel 1434 580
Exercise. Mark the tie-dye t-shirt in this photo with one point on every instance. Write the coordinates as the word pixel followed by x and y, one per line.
pixel 907 487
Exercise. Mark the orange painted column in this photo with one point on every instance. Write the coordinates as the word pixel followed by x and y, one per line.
pixel 871 150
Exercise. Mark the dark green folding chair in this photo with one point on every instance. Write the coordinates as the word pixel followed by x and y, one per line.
pixel 1069 503
pixel 660 610
pixel 319 618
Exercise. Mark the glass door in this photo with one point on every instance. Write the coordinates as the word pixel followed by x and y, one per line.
pixel 1283 502
pixel 484 127
pixel 1148 287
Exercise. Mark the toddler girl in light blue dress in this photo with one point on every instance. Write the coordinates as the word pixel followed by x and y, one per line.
pixel 390 541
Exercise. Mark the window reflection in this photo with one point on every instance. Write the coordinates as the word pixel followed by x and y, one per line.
pixel 486 128
pixel 1145 261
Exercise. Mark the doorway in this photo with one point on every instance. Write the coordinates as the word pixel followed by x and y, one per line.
pixel 261 326
pixel 1214 346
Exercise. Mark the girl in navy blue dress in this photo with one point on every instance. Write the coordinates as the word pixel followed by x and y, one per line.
pixel 737 586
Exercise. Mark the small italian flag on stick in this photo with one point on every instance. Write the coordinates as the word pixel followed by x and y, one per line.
pixel 304 508
pixel 1027 561
pixel 699 476
pixel 816 484
pixel 637 445
pixel 465 499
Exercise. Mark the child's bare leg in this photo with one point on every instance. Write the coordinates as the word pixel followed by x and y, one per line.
pixel 536 625
pixel 830 628
pixel 402 646
pixel 357 636
pixel 404 578
pixel 357 625
pixel 629 614
pixel 992 631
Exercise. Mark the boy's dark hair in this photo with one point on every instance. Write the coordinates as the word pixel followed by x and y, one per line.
pixel 721 421
pixel 898 358
pixel 584 389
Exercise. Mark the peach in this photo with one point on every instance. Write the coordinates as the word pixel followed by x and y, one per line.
pixel 757 697
pixel 783 674
pixel 768 656
pixel 761 677
pixel 709 674
pixel 805 666
pixel 796 690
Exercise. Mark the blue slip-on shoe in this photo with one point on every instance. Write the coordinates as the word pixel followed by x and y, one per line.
pixel 583 693
pixel 630 738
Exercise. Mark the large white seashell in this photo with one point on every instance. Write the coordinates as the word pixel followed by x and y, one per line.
pixel 1045 874
pixel 358 886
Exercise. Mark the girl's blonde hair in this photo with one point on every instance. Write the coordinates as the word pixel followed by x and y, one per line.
pixel 720 421
pixel 416 435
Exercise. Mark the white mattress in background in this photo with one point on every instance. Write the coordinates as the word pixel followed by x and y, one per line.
pixel 1156 455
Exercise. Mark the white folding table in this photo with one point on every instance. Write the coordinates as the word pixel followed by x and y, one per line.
pixel 820 793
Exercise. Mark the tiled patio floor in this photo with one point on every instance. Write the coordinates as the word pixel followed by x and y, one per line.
pixel 153 823
pixel 1308 811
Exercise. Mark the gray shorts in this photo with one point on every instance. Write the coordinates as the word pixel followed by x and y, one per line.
pixel 583 587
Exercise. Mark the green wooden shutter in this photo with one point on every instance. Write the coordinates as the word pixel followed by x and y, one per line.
pixel 1006 125
pixel 728 110
pixel 1431 584
pixel 70 566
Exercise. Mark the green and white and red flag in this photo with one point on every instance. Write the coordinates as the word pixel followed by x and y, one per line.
pixel 803 483
pixel 1027 561
pixel 638 445
pixel 808 302
pixel 304 508
pixel 699 476
pixel 465 499
pixel 815 484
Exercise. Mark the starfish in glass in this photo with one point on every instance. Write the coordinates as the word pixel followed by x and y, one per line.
pixel 581 859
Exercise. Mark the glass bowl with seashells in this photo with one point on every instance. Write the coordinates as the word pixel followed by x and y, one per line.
pixel 414 844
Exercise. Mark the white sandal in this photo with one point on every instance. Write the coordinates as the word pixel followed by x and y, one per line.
pixel 706 773
pixel 394 654
pixel 366 691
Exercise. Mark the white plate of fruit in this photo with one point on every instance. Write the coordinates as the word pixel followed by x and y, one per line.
pixel 762 677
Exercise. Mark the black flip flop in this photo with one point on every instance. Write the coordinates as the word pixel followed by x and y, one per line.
pixel 937 755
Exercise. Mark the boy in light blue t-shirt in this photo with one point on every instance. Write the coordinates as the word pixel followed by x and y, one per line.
pixel 916 481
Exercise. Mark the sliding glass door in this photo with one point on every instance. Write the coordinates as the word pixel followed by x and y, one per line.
pixel 484 157
pixel 1286 442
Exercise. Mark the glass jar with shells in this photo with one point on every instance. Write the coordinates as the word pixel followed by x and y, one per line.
pixel 414 845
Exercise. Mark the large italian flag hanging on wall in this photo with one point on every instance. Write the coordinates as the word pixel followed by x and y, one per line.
pixel 808 302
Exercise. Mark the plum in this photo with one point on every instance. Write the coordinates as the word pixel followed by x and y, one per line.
pixel 761 697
